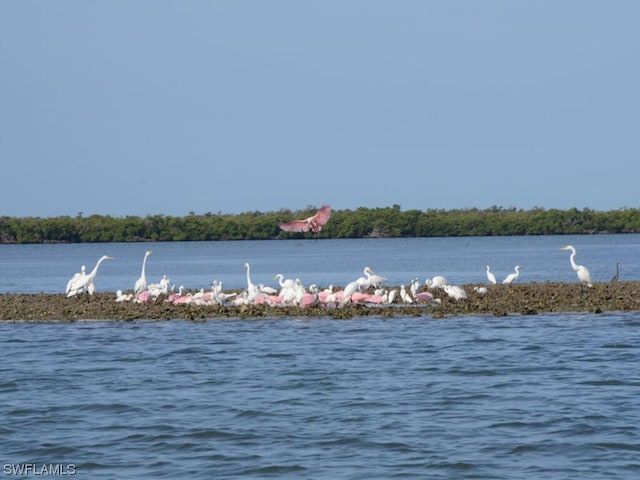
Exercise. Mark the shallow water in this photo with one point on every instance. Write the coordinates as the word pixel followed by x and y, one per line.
pixel 546 396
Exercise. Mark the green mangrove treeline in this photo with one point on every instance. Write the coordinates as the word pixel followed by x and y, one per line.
pixel 359 223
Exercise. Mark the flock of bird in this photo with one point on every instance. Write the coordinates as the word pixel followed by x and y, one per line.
pixel 366 289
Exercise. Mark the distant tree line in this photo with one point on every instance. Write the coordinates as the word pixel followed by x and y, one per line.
pixel 359 223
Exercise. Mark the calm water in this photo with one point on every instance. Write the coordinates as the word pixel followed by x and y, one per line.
pixel 47 268
pixel 546 396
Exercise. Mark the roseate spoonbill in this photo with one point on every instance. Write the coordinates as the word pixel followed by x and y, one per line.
pixel 143 297
pixel 512 276
pixel 174 296
pixel 78 284
pixel 491 276
pixel 423 297
pixel 141 284
pixel 583 272
pixel 314 223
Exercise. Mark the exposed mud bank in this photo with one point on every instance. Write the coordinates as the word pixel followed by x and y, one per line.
pixel 501 300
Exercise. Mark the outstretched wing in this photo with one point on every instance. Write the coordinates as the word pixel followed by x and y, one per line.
pixel 295 226
pixel 321 217
pixel 313 223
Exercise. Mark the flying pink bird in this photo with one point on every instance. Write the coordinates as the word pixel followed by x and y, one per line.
pixel 313 223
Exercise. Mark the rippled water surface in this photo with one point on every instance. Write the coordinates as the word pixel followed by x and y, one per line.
pixel 547 396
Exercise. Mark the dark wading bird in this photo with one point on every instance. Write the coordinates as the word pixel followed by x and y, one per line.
pixel 313 223
pixel 616 277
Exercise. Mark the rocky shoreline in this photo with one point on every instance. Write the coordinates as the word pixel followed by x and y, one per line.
pixel 525 299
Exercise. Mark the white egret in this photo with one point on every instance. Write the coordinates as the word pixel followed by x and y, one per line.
pixel 77 284
pixel 583 272
pixel 348 291
pixel 373 279
pixel 414 286
pixel 300 291
pixel 288 283
pixel 404 296
pixel 123 297
pixel 252 290
pixel 436 282
pixel 141 284
pixel 512 277
pixel 267 290
pixel 481 290
pixel 491 276
pixel 158 289
pixel 76 278
pixel 392 296
pixel 455 292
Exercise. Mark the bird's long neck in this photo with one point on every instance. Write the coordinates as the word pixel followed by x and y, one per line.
pixel 572 258
pixel 94 272
pixel 248 275
pixel 144 265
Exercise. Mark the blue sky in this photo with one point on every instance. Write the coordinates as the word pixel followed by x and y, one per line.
pixel 144 107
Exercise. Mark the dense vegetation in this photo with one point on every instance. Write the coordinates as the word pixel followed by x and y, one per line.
pixel 359 223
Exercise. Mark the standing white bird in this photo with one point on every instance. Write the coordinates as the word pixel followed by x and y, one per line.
pixel 491 276
pixel 141 284
pixel 78 284
pixel 414 286
pixel 349 290
pixel 512 277
pixel 392 295
pixel 404 296
pixel 76 278
pixel 583 272
pixel 252 290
